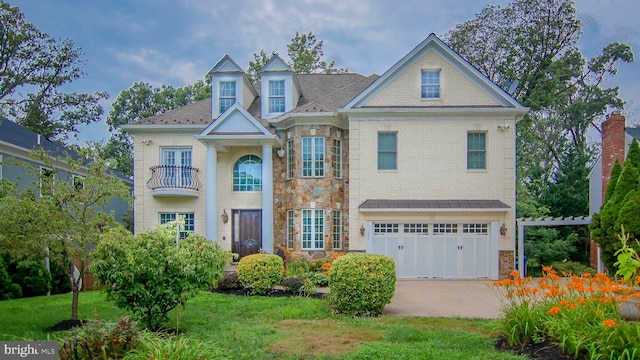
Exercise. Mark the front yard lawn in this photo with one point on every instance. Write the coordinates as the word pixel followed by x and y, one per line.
pixel 253 327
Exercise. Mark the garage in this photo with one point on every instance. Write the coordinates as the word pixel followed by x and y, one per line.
pixel 443 250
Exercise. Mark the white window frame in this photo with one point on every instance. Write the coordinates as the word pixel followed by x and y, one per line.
pixel 418 229
pixel 189 224
pixel 482 151
pixel 290 160
pixel 75 178
pixel 337 230
pixel 175 177
pixel 290 229
pixel 337 158
pixel 234 98
pixel 53 182
pixel 281 97
pixel 385 228
pixel 428 87
pixel 239 187
pixel 314 167
pixel 479 229
pixel 441 229
pixel 313 224
pixel 388 151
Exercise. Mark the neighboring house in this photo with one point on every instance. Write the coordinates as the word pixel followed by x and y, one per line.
pixel 418 164
pixel 616 140
pixel 16 144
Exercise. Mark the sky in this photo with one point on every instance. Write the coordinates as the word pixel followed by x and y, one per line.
pixel 175 42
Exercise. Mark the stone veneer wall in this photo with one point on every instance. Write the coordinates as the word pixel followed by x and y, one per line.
pixel 507 263
pixel 328 193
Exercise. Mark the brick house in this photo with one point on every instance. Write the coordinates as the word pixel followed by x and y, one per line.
pixel 417 163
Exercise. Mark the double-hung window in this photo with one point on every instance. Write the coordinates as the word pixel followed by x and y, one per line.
pixel 337 158
pixel 189 221
pixel 289 174
pixel 290 229
pixel 312 157
pixel 476 151
pixel 276 96
pixel 387 151
pixel 337 230
pixel 176 167
pixel 312 229
pixel 430 84
pixel 227 95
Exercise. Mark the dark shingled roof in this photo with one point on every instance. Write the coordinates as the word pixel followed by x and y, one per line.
pixel 635 132
pixel 433 204
pixel 320 93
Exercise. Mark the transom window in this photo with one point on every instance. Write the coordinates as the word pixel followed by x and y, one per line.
pixel 227 95
pixel 379 229
pixel 482 229
pixel 290 229
pixel 276 96
pixel 247 174
pixel 430 81
pixel 189 221
pixel 337 158
pixel 312 156
pixel 439 229
pixel 289 159
pixel 420 229
pixel 337 230
pixel 476 150
pixel 312 229
pixel 387 151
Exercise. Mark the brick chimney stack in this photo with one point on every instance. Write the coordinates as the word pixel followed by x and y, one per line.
pixel 613 145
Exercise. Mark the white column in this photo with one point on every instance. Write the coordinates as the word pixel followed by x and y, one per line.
pixel 212 193
pixel 267 199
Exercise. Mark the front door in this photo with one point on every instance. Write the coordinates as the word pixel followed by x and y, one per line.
pixel 247 232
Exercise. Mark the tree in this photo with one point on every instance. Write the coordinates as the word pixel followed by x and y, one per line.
pixel 33 70
pixel 140 101
pixel 149 274
pixel 65 224
pixel 305 54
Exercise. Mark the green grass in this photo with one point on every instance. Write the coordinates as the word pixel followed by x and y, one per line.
pixel 275 328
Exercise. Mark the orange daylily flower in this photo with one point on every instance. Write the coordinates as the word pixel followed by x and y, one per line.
pixel 609 323
pixel 554 310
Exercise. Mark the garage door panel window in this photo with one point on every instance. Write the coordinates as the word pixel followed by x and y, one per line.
pixel 380 229
pixel 439 229
pixel 312 229
pixel 481 229
pixel 418 229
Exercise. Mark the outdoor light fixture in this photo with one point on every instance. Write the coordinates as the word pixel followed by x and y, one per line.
pixel 225 216
pixel 146 141
pixel 280 152
pixel 362 230
pixel 503 229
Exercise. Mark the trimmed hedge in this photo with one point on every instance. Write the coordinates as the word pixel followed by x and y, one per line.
pixel 361 284
pixel 260 272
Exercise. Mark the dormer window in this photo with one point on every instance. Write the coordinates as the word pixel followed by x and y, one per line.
pixel 430 84
pixel 227 95
pixel 276 96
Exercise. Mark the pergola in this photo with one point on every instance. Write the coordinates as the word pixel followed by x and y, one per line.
pixel 559 221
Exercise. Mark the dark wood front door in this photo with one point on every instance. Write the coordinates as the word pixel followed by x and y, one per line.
pixel 247 232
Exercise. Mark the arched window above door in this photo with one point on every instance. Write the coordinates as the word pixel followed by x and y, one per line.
pixel 247 174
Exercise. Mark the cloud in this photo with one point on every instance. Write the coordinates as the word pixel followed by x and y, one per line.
pixel 155 67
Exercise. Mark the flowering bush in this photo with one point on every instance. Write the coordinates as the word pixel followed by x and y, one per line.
pixel 324 265
pixel 580 313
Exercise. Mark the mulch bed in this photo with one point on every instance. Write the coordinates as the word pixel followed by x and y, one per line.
pixel 539 351
pixel 277 292
pixel 67 325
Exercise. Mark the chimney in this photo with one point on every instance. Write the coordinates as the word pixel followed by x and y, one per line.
pixel 613 145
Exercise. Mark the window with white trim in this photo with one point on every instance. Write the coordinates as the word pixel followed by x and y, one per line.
pixel 290 158
pixel 276 96
pixel 476 151
pixel 387 151
pixel 78 182
pixel 337 230
pixel 420 229
pixel 430 84
pixel 189 221
pixel 247 174
pixel 47 182
pixel 481 229
pixel 312 157
pixel 337 158
pixel 227 95
pixel 176 162
pixel 290 229
pixel 312 229
pixel 381 229
pixel 439 229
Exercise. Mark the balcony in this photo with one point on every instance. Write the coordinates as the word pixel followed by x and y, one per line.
pixel 170 180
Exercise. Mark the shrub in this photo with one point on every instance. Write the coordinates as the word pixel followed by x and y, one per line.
pixel 567 268
pixel 8 290
pixel 230 282
pixel 149 275
pixel 32 276
pixel 261 272
pixel 318 279
pixel 297 266
pixel 361 284
pixel 101 340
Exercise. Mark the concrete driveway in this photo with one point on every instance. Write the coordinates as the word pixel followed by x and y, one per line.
pixel 444 298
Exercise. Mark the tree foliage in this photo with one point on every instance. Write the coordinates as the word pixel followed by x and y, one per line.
pixel 149 274
pixel 34 68
pixel 64 222
pixel 305 57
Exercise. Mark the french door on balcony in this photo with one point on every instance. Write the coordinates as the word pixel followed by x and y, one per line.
pixel 177 166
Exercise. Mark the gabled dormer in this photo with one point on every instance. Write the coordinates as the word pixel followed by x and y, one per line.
pixel 279 89
pixel 229 85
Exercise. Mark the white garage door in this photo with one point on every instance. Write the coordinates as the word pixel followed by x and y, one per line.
pixel 442 250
